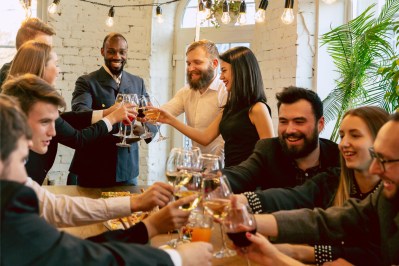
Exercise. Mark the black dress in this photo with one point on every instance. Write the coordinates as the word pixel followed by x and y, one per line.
pixel 239 134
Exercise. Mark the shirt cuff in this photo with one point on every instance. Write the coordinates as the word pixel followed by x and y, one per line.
pixel 108 123
pixel 174 255
pixel 96 116
pixel 118 207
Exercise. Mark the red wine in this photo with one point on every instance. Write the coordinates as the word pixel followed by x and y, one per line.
pixel 127 123
pixel 239 239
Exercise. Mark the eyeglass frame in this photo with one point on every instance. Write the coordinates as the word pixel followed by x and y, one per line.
pixel 381 161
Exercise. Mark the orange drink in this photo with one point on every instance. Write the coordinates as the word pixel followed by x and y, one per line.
pixel 201 234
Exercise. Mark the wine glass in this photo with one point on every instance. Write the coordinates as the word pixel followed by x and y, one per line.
pixel 143 103
pixel 216 194
pixel 238 221
pixel 210 164
pixel 119 99
pixel 152 115
pixel 134 99
pixel 125 100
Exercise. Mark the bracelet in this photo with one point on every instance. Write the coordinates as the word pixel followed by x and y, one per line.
pixel 254 202
pixel 322 253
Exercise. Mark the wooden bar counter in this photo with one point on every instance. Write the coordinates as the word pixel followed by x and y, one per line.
pixel 157 241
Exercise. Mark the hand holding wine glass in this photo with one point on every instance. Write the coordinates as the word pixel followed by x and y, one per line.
pixel 143 104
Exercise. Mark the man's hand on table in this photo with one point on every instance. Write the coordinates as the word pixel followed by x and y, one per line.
pixel 158 194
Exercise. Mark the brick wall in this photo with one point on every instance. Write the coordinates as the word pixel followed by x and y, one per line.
pixel 285 54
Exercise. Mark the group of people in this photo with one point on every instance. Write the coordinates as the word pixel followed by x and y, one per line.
pixel 342 200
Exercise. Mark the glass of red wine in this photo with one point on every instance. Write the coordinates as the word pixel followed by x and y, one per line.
pixel 238 221
pixel 144 102
pixel 126 123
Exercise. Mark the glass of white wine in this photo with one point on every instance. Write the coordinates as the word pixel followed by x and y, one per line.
pixel 119 99
pixel 216 194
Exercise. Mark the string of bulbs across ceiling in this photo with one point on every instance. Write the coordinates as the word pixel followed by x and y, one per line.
pixel 204 10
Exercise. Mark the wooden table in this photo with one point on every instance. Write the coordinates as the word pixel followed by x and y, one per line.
pixel 157 241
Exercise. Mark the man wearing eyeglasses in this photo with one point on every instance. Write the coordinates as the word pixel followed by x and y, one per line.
pixel 373 220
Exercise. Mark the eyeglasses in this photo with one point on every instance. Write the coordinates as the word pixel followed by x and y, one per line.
pixel 381 162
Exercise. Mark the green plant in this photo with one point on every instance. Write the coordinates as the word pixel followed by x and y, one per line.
pixel 358 49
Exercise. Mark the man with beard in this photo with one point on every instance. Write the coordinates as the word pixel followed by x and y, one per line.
pixel 297 154
pixel 204 95
pixel 102 163
pixel 374 220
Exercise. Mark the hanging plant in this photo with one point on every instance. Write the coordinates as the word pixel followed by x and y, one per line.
pixel 216 11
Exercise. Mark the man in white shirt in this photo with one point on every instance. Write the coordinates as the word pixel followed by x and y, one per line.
pixel 41 102
pixel 204 95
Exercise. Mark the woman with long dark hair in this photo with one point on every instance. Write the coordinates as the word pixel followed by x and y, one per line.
pixel 245 118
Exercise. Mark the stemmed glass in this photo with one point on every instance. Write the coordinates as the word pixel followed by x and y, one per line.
pixel 237 223
pixel 119 99
pixel 125 100
pixel 134 99
pixel 142 112
pixel 153 114
pixel 216 199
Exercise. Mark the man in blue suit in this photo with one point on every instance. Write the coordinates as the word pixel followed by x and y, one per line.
pixel 104 164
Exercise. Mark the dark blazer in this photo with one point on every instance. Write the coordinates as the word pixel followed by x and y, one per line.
pixel 102 163
pixel 26 239
pixel 67 134
pixel 270 167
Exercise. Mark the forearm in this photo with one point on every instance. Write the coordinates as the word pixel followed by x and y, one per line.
pixel 200 136
pixel 266 225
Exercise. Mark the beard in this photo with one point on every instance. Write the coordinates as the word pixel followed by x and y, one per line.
pixel 309 144
pixel 204 79
pixel 115 71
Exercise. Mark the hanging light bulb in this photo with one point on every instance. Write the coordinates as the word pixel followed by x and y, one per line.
pixel 110 20
pixel 201 10
pixel 52 9
pixel 208 6
pixel 26 5
pixel 329 2
pixel 226 15
pixel 242 17
pixel 160 19
pixel 260 15
pixel 288 15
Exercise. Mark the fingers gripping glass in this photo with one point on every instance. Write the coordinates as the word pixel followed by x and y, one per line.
pixel 381 162
pixel 119 99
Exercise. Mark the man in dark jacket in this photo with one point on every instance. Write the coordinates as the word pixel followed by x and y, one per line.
pixel 296 155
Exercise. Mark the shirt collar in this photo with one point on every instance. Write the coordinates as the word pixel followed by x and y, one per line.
pixel 115 77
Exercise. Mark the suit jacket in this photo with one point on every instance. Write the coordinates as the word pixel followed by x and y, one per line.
pixel 26 239
pixel 270 167
pixel 39 164
pixel 102 163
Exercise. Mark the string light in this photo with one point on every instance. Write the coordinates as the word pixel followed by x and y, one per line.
pixel 260 15
pixel 201 11
pixel 288 14
pixel 208 6
pixel 226 15
pixel 26 5
pixel 52 9
pixel 160 19
pixel 242 17
pixel 110 20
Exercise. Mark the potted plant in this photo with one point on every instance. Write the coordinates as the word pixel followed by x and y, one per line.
pixel 359 48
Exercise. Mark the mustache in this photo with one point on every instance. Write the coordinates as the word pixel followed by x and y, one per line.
pixel 295 135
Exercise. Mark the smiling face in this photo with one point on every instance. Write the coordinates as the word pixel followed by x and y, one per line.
pixel 41 119
pixel 298 130
pixel 200 69
pixel 13 168
pixel 226 75
pixel 386 146
pixel 51 69
pixel 115 54
pixel 356 138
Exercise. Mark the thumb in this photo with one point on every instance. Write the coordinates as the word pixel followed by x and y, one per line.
pixel 256 239
pixel 184 200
